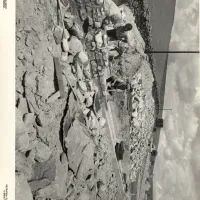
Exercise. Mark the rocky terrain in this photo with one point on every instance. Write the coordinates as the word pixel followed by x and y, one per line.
pixel 65 132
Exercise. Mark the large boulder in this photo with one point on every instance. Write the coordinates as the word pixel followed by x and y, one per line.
pixel 77 31
pixel 75 45
pixel 22 188
pixel 112 9
pixel 42 152
pixel 75 142
pixel 87 162
pixel 81 58
pixel 50 178
pixel 58 188
pixel 44 170
pixel 22 165
pixel 22 143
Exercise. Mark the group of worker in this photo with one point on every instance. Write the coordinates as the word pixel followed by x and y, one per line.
pixel 118 35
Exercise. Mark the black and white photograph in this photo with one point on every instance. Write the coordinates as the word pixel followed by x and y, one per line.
pixel 106 100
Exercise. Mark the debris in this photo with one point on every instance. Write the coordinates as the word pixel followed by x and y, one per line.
pixel 98 39
pixel 42 152
pixel 83 14
pixel 79 72
pixel 82 58
pixel 22 188
pixel 53 97
pixel 58 34
pixel 102 122
pixel 24 62
pixel 75 159
pixel 63 158
pixel 77 31
pixel 111 9
pixel 97 24
pixel 80 96
pixel 50 191
pixel 19 124
pixel 84 196
pixel 28 40
pixel 20 56
pixel 89 102
pixel 37 61
pixel 59 77
pixel 75 142
pixel 29 118
pixel 68 20
pixel 87 162
pixel 65 3
pixel 39 184
pixel 87 74
pixel 82 86
pixel 41 120
pixel 86 111
pixel 135 114
pixel 66 34
pixel 75 45
pixel 50 48
pixel 64 56
pixel 90 180
pixel 18 36
pixel 70 59
pixel 136 123
pixel 99 2
pixel 65 45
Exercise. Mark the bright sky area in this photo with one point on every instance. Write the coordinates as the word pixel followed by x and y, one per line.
pixel 177 167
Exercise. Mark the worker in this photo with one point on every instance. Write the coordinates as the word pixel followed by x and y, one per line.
pixel 115 83
pixel 120 32
pixel 118 50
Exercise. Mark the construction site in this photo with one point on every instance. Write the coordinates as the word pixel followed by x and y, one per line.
pixel 86 107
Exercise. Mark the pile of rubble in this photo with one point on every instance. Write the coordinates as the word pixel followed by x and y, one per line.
pixel 142 117
pixel 137 136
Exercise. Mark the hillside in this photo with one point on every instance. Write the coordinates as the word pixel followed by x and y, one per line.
pixel 67 141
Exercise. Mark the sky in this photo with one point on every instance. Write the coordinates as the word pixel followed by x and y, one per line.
pixel 177 167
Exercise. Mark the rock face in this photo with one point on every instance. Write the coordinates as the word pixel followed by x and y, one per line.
pixel 22 188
